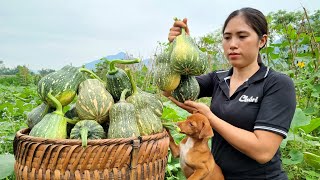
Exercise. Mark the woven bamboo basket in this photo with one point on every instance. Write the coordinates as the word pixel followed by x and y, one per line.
pixel 124 158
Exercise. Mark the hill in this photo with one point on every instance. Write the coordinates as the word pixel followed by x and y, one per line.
pixel 121 55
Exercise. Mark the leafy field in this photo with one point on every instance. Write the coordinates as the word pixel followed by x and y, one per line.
pixel 297 55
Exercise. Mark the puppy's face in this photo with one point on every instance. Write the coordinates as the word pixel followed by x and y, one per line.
pixel 196 126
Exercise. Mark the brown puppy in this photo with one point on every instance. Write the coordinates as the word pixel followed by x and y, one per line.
pixel 196 159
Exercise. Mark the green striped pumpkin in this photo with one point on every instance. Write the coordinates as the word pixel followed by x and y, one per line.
pixel 62 84
pixel 94 101
pixel 52 125
pixel 148 119
pixel 185 56
pixel 123 122
pixel 117 79
pixel 87 129
pixel 188 89
pixel 154 103
pixel 36 114
pixel 165 78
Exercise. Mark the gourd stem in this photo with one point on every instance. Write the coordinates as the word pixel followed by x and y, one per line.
pixel 133 84
pixel 123 95
pixel 71 121
pixel 56 103
pixel 183 31
pixel 84 136
pixel 170 48
pixel 92 74
pixel 112 67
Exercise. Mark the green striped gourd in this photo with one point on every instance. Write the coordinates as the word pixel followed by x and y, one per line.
pixel 117 79
pixel 165 78
pixel 87 129
pixel 94 101
pixel 52 125
pixel 35 116
pixel 188 89
pixel 63 84
pixel 123 122
pixel 154 103
pixel 185 56
pixel 148 121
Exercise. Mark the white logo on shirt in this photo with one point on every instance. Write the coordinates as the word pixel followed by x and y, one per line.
pixel 245 98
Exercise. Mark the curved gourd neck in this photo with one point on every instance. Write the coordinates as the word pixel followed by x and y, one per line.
pixel 92 74
pixel 112 65
pixel 183 31
pixel 133 83
pixel 123 95
pixel 56 103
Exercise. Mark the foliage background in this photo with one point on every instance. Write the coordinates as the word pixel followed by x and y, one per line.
pixel 293 48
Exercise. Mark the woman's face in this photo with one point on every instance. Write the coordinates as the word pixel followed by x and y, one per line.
pixel 241 43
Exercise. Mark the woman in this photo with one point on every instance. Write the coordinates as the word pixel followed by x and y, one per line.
pixel 252 105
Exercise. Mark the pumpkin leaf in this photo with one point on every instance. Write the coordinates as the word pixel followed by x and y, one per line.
pixel 296 157
pixel 312 159
pixel 299 119
pixel 314 124
pixel 7 165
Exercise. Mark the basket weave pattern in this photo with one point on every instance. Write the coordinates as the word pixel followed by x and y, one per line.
pixel 125 158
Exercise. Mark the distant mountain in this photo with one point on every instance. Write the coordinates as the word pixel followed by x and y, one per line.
pixel 121 55
pixel 92 65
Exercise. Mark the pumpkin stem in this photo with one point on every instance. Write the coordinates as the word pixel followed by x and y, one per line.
pixel 92 74
pixel 56 103
pixel 183 31
pixel 176 19
pixel 113 69
pixel 170 48
pixel 84 136
pixel 71 121
pixel 123 95
pixel 133 83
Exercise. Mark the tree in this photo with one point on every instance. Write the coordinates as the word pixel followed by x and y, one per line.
pixel 24 75
pixel 44 72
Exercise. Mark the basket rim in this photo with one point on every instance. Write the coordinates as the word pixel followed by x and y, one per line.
pixel 23 135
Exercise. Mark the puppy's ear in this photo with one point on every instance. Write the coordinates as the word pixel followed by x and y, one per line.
pixel 206 131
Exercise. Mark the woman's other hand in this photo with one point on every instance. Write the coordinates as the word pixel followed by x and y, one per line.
pixel 180 104
pixel 175 30
pixel 200 107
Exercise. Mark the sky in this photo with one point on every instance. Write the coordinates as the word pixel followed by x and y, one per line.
pixel 52 34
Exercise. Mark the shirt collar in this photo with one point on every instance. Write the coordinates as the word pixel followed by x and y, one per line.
pixel 260 74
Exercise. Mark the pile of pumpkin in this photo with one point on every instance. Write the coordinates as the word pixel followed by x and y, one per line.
pixel 114 108
pixel 177 66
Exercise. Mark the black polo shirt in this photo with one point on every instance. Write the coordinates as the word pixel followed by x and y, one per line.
pixel 266 101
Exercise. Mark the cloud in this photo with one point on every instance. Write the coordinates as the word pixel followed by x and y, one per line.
pixel 51 34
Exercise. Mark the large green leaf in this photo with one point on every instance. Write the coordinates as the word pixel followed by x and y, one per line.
pixel 299 119
pixel 7 165
pixel 314 124
pixel 312 159
pixel 296 157
pixel 173 113
pixel 268 49
pixel 274 56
